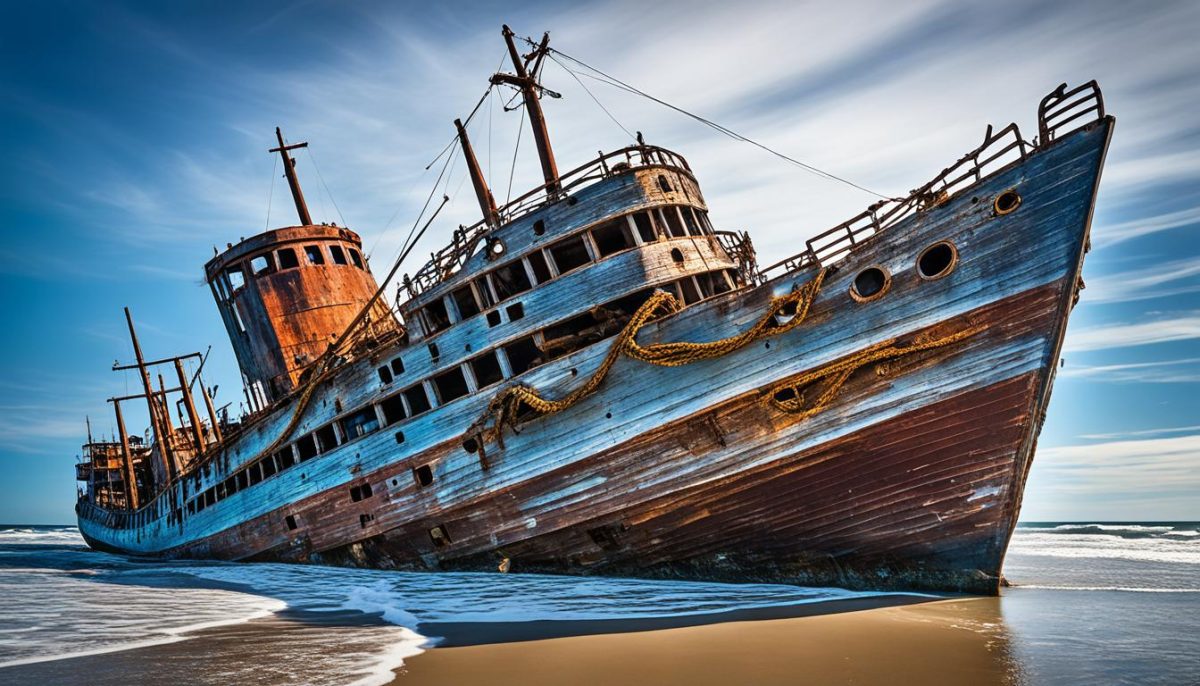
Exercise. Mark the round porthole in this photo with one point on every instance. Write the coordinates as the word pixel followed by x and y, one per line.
pixel 471 445
pixel 1007 202
pixel 495 248
pixel 937 260
pixel 539 227
pixel 677 255
pixel 870 283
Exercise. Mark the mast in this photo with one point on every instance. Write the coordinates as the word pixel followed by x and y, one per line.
pixel 151 404
pixel 537 119
pixel 131 491
pixel 487 203
pixel 190 406
pixel 289 169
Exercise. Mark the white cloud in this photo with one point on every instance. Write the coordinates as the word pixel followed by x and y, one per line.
pixel 1155 280
pixel 1162 371
pixel 1177 328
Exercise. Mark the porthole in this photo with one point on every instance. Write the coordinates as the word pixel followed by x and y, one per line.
pixel 1006 202
pixel 937 260
pixel 677 255
pixel 871 283
pixel 471 445
pixel 539 227
pixel 495 248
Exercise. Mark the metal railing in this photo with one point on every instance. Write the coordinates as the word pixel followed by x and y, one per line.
pixel 998 150
pixel 466 241
pixel 1058 110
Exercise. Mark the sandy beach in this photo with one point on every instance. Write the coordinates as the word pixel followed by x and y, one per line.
pixel 954 641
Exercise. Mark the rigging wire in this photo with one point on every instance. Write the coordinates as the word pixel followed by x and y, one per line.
pixel 617 83
pixel 337 209
pixel 271 193
pixel 593 97
pixel 516 149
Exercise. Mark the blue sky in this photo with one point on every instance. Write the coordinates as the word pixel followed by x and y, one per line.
pixel 134 140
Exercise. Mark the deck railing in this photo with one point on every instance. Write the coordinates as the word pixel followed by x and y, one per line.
pixel 447 261
pixel 1059 113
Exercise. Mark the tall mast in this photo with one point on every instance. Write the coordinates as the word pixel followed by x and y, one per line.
pixel 487 203
pixel 151 403
pixel 131 491
pixel 536 118
pixel 289 169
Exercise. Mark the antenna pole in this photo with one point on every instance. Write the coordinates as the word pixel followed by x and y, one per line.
pixel 289 170
pixel 536 118
pixel 487 203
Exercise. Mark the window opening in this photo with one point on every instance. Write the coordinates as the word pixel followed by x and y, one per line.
pixel 339 255
pixel 690 294
pixel 327 438
pixel 397 366
pixel 613 237
pixel 486 369
pixel 435 316
pixel 523 355
pixel 869 284
pixel 537 262
pixel 670 217
pixel 937 260
pixel 385 374
pixel 418 401
pixel 569 254
pixel 510 279
pixel 287 258
pixel 464 300
pixel 645 227
pixel 493 318
pixel 393 409
pixel 515 311
pixel 423 475
pixel 291 522
pixel 663 184
pixel 313 254
pixel 307 447
pixel 356 258
pixel 237 278
pixel 360 423
pixel 262 264
pixel 450 385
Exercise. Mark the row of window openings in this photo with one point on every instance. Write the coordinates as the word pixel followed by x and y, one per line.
pixel 479 372
pixel 137 520
pixel 528 352
pixel 281 259
pixel 566 255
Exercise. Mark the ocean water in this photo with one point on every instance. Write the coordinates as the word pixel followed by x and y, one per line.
pixel 1100 603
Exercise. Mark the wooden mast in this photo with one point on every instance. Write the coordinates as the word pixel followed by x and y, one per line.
pixel 156 422
pixel 487 203
pixel 289 169
pixel 131 491
pixel 537 119
pixel 190 406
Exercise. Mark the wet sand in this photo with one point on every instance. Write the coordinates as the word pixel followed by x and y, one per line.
pixel 955 641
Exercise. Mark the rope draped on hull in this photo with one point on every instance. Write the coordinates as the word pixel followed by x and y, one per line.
pixel 504 410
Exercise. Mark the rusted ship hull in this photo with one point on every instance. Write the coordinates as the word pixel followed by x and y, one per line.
pixel 910 476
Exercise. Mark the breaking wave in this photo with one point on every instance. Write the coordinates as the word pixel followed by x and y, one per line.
pixel 79 602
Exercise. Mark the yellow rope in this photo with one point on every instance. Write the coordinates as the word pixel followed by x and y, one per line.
pixel 837 373
pixel 504 407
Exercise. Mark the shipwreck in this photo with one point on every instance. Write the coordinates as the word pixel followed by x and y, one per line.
pixel 593 379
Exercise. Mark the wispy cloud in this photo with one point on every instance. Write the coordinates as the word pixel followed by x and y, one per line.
pixel 1159 279
pixel 1174 328
pixel 1111 234
pixel 1166 431
pixel 1162 371
pixel 1146 468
